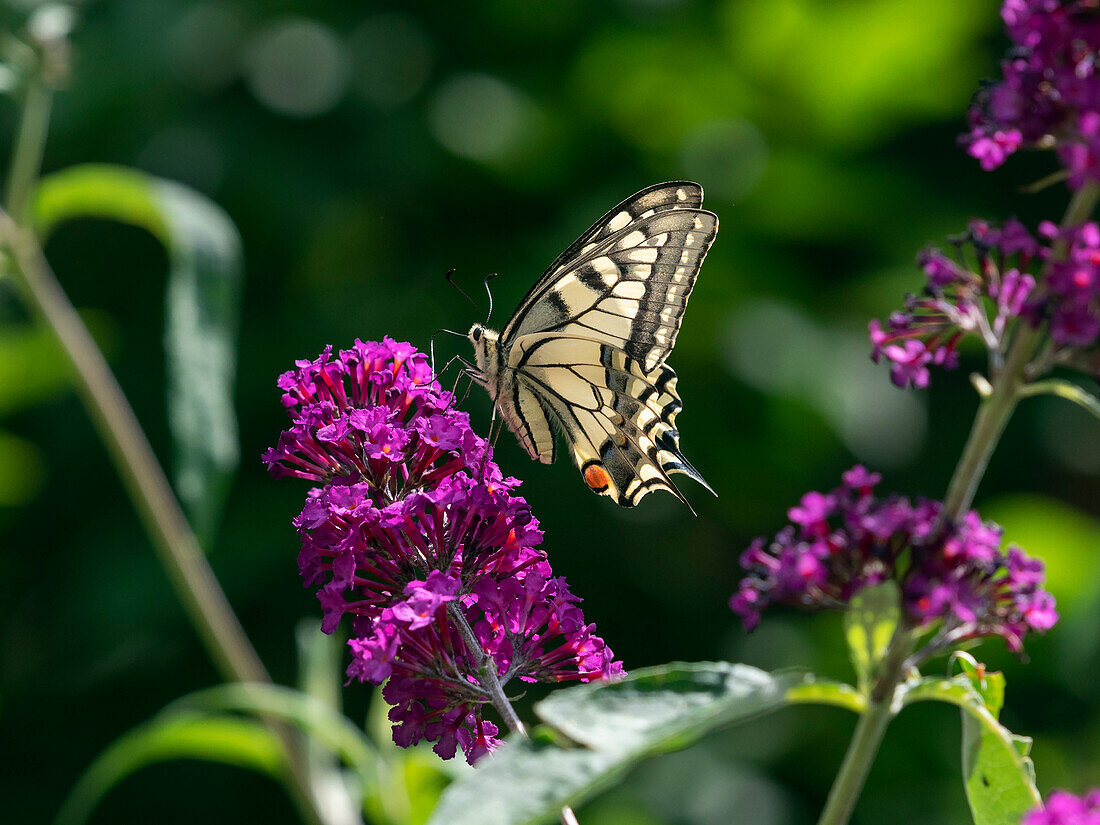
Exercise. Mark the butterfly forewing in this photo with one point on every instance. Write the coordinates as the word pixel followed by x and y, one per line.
pixel 631 288
pixel 661 197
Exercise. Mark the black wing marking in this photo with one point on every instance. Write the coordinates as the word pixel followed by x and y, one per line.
pixel 631 289
pixel 618 417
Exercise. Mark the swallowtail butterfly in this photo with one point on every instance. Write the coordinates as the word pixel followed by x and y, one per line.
pixel 585 350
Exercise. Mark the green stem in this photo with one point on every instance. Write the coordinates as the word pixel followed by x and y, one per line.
pixel 490 680
pixel 993 414
pixel 996 408
pixel 868 733
pixel 30 143
pixel 487 672
pixel 188 571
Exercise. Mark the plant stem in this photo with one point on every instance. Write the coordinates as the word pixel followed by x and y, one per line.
pixel 487 672
pixel 188 571
pixel 30 144
pixel 993 414
pixel 997 408
pixel 490 680
pixel 868 733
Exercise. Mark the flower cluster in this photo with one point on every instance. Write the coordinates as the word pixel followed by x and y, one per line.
pixel 1049 92
pixel 848 539
pixel 413 531
pixel 996 276
pixel 1064 808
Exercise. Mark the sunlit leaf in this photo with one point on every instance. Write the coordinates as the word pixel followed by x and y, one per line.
pixel 824 692
pixel 319 677
pixel 616 725
pixel 998 777
pixel 844 62
pixel 683 83
pixel 989 685
pixel 201 318
pixel 229 740
pixel 311 715
pixel 869 624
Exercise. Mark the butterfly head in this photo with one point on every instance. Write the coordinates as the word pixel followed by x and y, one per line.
pixel 485 347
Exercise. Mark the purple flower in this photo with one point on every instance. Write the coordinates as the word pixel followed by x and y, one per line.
pixel 412 529
pixel 910 365
pixel 425 598
pixel 993 294
pixel 1049 91
pixel 861 480
pixel 953 574
pixel 1063 808
pixel 992 150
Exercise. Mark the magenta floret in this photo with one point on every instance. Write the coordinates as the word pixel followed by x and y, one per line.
pixel 1064 808
pixel 999 277
pixel 848 539
pixel 1049 92
pixel 411 520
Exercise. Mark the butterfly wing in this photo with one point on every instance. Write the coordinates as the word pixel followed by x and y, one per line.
pixel 619 419
pixel 586 348
pixel 659 198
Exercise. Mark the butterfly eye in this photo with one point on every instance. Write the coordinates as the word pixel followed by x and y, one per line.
pixel 475 334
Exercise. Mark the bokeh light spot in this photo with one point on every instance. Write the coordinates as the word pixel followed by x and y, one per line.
pixel 777 349
pixel 479 117
pixel 297 68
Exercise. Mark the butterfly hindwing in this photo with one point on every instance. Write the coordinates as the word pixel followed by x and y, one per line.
pixel 619 418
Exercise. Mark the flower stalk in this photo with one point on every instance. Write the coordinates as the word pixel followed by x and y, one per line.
pixel 178 549
pixel 487 672
pixel 869 731
pixel 1008 387
pixel 997 408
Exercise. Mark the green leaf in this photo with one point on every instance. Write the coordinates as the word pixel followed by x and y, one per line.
pixel 201 318
pixel 199 726
pixel 229 740
pixel 319 677
pixel 869 624
pixel 989 685
pixel 998 777
pixel 1065 389
pixel 311 715
pixel 824 692
pixel 616 725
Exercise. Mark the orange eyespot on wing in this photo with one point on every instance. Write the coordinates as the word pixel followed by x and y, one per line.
pixel 596 477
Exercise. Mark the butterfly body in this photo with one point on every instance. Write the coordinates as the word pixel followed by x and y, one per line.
pixel 584 353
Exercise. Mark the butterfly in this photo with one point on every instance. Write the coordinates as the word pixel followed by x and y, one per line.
pixel 584 352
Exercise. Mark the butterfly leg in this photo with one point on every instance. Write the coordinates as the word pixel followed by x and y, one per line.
pixel 446 366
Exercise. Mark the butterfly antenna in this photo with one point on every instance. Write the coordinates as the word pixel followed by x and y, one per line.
pixel 447 277
pixel 489 292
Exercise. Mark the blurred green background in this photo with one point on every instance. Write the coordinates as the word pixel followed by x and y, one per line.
pixel 365 148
